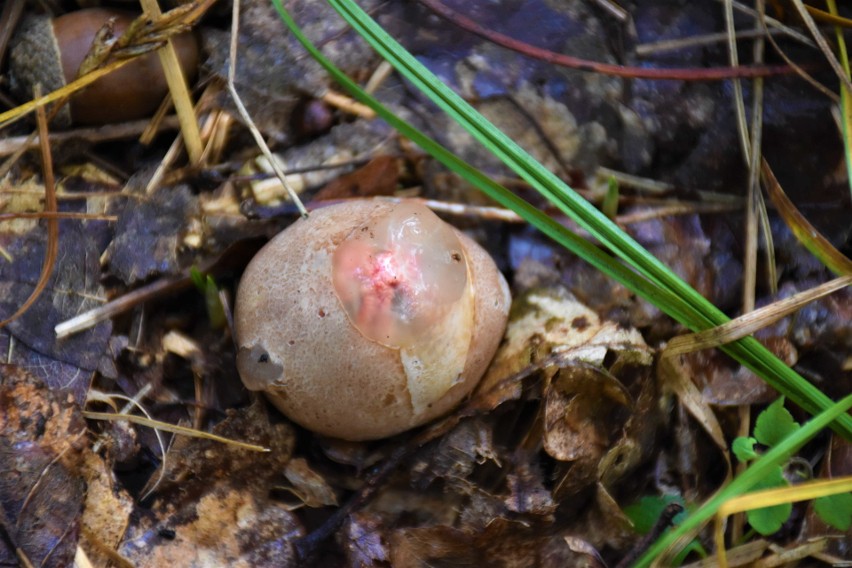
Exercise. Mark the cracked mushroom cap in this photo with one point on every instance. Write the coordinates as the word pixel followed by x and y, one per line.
pixel 368 318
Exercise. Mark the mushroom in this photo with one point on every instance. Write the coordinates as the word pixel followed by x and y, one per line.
pixel 368 318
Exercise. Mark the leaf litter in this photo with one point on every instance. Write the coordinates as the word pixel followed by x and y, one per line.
pixel 578 416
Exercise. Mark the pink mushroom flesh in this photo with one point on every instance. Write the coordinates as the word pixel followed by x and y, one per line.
pixel 399 276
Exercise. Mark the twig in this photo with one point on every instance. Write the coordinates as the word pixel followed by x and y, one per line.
pixel 12 10
pixel 752 321
pixel 261 143
pixel 50 206
pixel 59 215
pixel 347 104
pixel 690 74
pixel 822 43
pixel 177 87
pixel 646 49
pixel 664 522
pixel 93 135
pixel 119 305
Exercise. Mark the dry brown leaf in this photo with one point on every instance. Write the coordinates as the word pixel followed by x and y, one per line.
pixel 551 322
pixel 309 486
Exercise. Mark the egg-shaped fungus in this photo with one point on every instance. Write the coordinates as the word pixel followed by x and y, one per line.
pixel 368 318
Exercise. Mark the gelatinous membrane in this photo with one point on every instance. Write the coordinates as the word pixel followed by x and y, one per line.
pixel 404 282
pixel 398 275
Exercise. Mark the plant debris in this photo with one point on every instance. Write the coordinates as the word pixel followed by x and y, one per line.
pixel 584 441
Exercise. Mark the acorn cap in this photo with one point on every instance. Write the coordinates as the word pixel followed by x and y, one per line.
pixel 34 60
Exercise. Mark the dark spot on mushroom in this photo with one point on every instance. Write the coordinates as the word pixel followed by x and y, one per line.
pixel 257 367
pixel 291 342
pixel 456 256
pixel 321 313
pixel 580 323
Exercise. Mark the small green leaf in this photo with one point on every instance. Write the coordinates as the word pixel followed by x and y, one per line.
pixel 768 520
pixel 743 448
pixel 694 547
pixel 644 512
pixel 774 424
pixel 210 290
pixel 215 310
pixel 197 278
pixel 835 510
pixel 610 201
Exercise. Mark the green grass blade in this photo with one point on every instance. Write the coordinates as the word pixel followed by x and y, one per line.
pixel 845 99
pixel 559 233
pixel 662 287
pixel 774 458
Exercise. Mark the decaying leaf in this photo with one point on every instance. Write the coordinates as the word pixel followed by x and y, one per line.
pixel 378 177
pixel 151 233
pixel 457 454
pixel 584 409
pixel 551 322
pixel 308 485
pixel 107 511
pixel 213 506
pixel 503 543
pixel 527 493
pixel 52 486
pixel 364 541
pixel 74 287
pixel 225 526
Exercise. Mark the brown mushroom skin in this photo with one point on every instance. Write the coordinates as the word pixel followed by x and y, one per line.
pixel 298 345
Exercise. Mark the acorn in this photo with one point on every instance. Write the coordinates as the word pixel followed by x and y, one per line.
pixel 368 318
pixel 49 51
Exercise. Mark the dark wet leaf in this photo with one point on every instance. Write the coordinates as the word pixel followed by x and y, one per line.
pixel 584 409
pixel 527 493
pixel 42 493
pixel 74 287
pixel 457 454
pixel 378 177
pixel 364 542
pixel 638 440
pixel 264 44
pixel 503 543
pixel 724 382
pixel 149 234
